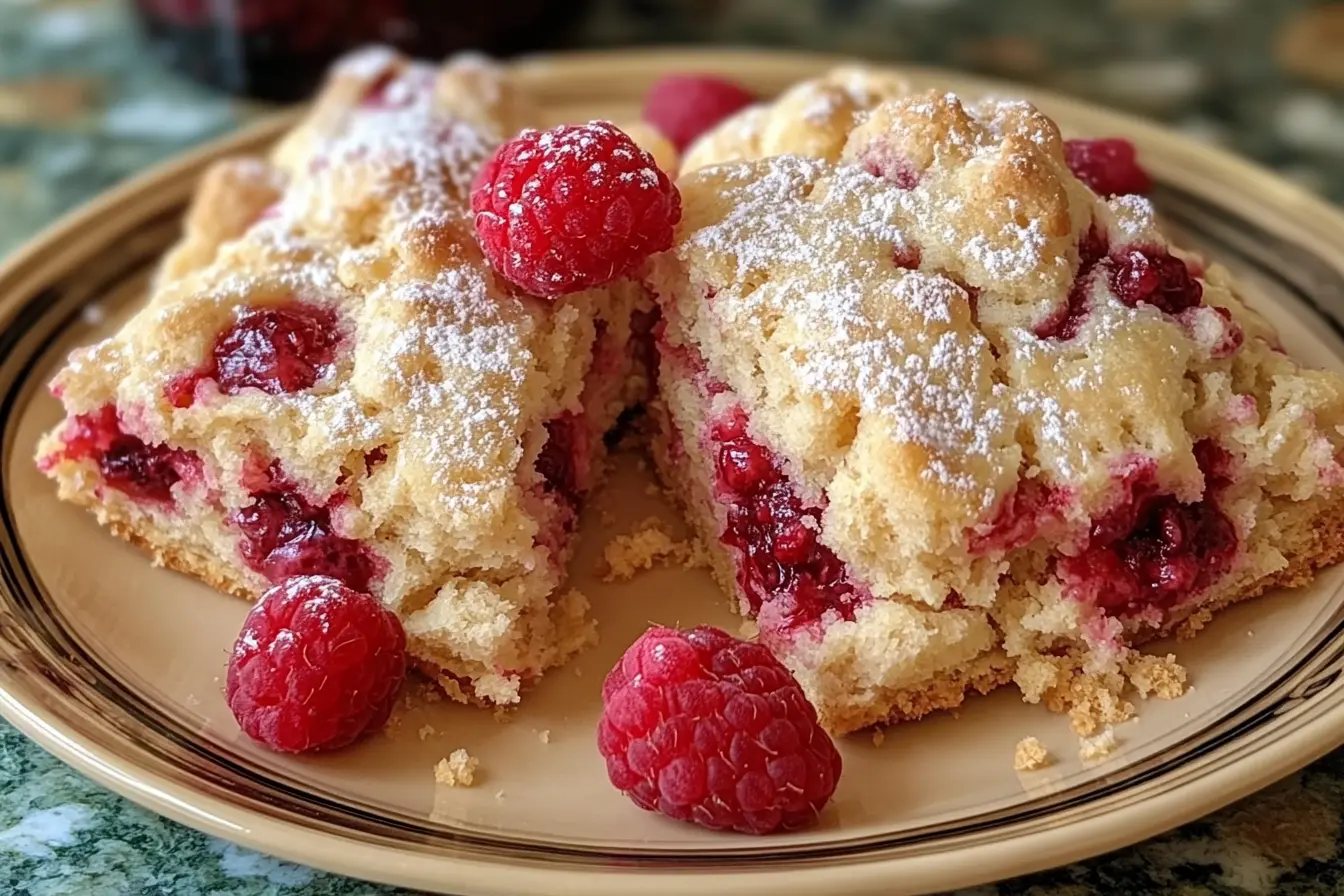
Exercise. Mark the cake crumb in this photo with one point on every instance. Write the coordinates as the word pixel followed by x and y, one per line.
pixel 458 770
pixel 544 735
pixel 427 731
pixel 1098 746
pixel 644 548
pixel 1031 755
pixel 452 689
pixel 1159 676
pixel 879 735
pixel 499 794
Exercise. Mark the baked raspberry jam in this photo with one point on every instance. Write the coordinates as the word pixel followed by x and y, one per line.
pixel 1153 276
pixel 1150 552
pixel 780 560
pixel 283 535
pixel 1138 275
pixel 882 161
pixel 563 459
pixel 1031 508
pixel 143 472
pixel 1068 321
pixel 278 349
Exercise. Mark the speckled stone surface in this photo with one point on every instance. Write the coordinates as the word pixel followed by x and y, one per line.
pixel 84 104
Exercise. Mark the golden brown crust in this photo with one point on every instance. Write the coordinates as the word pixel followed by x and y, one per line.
pixel 947 690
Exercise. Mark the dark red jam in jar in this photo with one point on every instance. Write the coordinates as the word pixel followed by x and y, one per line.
pixel 279 49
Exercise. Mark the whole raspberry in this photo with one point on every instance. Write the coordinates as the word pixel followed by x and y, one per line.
pixel 315 666
pixel 685 106
pixel 705 728
pixel 571 208
pixel 1109 166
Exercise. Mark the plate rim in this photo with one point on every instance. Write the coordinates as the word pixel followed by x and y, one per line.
pixel 1165 809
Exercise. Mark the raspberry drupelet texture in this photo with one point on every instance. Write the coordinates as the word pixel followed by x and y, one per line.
pixel 572 208
pixel 683 107
pixel 1109 166
pixel 316 665
pixel 706 728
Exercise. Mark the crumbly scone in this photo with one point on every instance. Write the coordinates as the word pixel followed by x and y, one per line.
pixel 813 118
pixel 947 418
pixel 1030 755
pixel 328 378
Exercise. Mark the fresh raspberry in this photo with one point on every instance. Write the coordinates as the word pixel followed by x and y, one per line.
pixel 1108 166
pixel 683 107
pixel 571 208
pixel 705 728
pixel 315 666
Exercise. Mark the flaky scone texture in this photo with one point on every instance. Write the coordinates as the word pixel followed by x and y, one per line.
pixel 881 290
pixel 423 435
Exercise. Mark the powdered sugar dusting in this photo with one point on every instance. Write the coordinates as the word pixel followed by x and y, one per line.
pixel 459 368
pixel 822 238
pixel 414 160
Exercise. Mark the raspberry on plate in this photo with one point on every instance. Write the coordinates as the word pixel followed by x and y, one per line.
pixel 316 665
pixel 685 106
pixel 703 727
pixel 1108 166
pixel 572 208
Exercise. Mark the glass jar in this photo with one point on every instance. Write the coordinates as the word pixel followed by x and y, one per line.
pixel 278 49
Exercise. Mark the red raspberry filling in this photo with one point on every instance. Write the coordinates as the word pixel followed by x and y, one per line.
pixel 1066 324
pixel 1110 166
pixel 682 107
pixel 1146 275
pixel 278 349
pixel 562 463
pixel 143 472
pixel 702 727
pixel 572 208
pixel 781 562
pixel 285 535
pixel 1153 276
pixel 1151 551
pixel 880 161
pixel 1031 508
pixel 315 666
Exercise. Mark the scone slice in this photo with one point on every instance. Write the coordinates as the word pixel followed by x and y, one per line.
pixel 327 378
pixel 949 418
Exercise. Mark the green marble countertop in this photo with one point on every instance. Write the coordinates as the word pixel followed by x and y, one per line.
pixel 84 104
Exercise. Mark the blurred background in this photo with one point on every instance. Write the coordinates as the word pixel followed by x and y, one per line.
pixel 93 90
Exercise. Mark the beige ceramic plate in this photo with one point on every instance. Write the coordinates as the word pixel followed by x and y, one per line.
pixel 115 667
